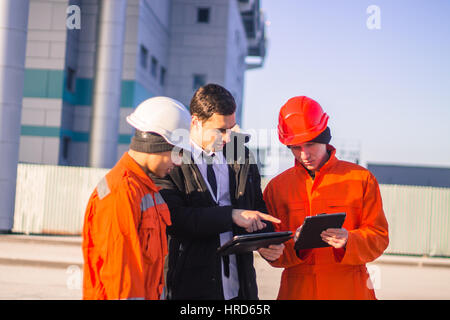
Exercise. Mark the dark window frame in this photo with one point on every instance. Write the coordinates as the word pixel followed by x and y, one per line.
pixel 162 76
pixel 203 14
pixel 65 146
pixel 154 66
pixel 143 56
pixel 71 79
pixel 198 80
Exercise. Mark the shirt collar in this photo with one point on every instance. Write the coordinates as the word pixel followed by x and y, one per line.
pixel 200 154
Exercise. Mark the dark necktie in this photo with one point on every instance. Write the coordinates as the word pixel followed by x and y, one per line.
pixel 211 178
pixel 213 184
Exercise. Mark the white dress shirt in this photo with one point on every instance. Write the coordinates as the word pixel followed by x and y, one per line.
pixel 231 283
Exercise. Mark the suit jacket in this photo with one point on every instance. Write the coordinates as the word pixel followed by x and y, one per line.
pixel 194 267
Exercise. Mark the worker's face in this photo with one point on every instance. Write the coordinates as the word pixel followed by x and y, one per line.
pixel 214 133
pixel 311 155
pixel 162 163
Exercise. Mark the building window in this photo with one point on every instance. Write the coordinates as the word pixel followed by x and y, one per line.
pixel 143 54
pixel 162 76
pixel 199 80
pixel 70 81
pixel 203 15
pixel 65 147
pixel 154 67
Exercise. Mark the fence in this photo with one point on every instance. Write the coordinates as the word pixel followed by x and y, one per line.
pixel 419 219
pixel 52 199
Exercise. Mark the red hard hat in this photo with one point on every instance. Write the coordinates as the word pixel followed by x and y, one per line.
pixel 301 119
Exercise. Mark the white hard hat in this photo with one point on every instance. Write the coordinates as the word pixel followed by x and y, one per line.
pixel 164 116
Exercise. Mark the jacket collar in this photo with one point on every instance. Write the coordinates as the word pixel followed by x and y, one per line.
pixel 237 152
pixel 128 162
pixel 332 160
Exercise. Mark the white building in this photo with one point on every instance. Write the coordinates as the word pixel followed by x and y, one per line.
pixel 72 70
pixel 170 47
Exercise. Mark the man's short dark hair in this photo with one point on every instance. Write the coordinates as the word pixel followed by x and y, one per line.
pixel 212 98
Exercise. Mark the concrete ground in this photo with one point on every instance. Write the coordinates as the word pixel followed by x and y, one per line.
pixel 49 267
pixel 392 281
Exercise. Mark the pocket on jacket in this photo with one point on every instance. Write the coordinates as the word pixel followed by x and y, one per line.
pixel 352 210
pixel 149 236
pixel 296 214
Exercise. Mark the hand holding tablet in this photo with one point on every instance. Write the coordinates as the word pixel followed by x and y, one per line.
pixel 251 242
pixel 314 234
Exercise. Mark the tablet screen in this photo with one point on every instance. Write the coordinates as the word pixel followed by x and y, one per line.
pixel 313 226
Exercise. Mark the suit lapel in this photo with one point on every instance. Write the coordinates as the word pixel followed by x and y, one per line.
pixel 200 180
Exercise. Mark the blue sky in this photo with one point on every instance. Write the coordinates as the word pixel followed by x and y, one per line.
pixel 386 89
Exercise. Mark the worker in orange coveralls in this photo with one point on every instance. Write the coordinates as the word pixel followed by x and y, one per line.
pixel 124 233
pixel 321 183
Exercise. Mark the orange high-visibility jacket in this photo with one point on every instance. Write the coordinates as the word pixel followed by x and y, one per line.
pixel 329 273
pixel 124 236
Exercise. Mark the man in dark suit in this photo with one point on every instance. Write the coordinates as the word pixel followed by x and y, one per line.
pixel 214 195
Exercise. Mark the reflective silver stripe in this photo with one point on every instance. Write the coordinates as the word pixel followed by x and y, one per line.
pixel 163 294
pixel 159 199
pixel 147 202
pixel 137 298
pixel 103 188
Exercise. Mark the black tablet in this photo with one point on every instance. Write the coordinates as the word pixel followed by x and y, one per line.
pixel 251 242
pixel 313 227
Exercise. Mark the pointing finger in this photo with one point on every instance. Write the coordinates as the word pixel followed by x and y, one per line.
pixel 268 217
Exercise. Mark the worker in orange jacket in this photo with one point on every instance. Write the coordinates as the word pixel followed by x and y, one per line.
pixel 124 233
pixel 321 183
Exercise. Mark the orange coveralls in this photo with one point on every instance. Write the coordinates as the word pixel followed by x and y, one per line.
pixel 329 273
pixel 124 236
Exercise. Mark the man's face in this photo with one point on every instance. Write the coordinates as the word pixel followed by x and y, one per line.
pixel 162 163
pixel 311 155
pixel 214 133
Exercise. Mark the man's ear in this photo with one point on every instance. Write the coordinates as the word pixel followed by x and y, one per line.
pixel 195 121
